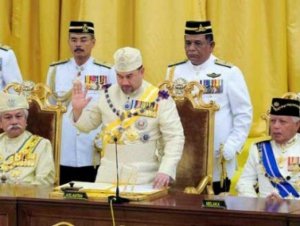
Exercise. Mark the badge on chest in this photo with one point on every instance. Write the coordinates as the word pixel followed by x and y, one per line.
pixel 212 86
pixel 95 82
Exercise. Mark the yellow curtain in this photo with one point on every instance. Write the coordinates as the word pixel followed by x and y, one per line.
pixel 260 36
pixel 252 34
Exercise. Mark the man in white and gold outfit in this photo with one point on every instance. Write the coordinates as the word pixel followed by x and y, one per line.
pixel 24 157
pixel 79 157
pixel 224 84
pixel 140 121
pixel 274 164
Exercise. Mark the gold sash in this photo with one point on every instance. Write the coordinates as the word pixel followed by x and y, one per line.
pixel 116 128
pixel 24 156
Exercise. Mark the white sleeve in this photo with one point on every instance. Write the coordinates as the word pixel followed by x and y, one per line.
pixel 90 118
pixel 112 77
pixel 45 169
pixel 173 137
pixel 11 70
pixel 249 176
pixel 241 109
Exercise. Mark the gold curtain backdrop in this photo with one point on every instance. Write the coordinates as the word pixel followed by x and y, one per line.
pixel 262 37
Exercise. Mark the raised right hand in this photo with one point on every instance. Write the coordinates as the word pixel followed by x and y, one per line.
pixel 79 99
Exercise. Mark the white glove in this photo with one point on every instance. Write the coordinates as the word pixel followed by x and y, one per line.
pixel 229 154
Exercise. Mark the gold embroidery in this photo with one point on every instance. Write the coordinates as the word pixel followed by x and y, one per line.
pixel 24 157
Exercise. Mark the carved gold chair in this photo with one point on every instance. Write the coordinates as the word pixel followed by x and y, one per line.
pixel 45 119
pixel 266 116
pixel 194 171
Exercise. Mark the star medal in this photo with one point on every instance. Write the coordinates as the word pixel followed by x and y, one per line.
pixel 281 161
pixel 145 137
pixel 127 105
pixel 131 135
pixel 141 124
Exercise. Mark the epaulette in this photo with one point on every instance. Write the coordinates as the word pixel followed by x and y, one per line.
pixel 102 64
pixel 181 62
pixel 59 62
pixel 4 47
pixel 223 63
pixel 262 139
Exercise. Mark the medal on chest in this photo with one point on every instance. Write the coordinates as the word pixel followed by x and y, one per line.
pixel 281 161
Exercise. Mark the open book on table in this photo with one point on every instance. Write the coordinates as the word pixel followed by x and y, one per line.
pixel 101 191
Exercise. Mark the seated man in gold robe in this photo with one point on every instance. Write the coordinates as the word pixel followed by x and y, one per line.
pixel 138 119
pixel 24 157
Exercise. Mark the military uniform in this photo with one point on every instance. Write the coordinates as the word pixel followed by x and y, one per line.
pixel 226 86
pixel 77 149
pixel 9 68
pixel 287 159
pixel 146 127
pixel 26 159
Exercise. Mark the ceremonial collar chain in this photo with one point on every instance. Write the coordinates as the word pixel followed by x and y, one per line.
pixel 122 114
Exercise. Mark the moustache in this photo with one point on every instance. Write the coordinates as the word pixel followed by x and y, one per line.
pixel 78 50
pixel 11 127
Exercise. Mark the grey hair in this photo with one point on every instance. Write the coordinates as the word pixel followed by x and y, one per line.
pixel 26 112
pixel 296 119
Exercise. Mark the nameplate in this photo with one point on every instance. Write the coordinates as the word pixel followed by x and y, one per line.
pixel 75 195
pixel 214 203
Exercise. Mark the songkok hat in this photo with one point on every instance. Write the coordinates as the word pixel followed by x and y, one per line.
pixel 198 27
pixel 84 27
pixel 10 102
pixel 127 59
pixel 283 106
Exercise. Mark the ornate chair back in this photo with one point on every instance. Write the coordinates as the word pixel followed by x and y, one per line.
pixel 45 119
pixel 194 171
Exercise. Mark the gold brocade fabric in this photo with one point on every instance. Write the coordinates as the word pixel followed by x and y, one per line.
pixel 23 157
pixel 115 129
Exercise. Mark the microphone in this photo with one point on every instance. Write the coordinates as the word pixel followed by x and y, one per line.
pixel 117 199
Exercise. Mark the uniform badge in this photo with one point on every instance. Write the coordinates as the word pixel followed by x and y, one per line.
pixel 95 82
pixel 213 75
pixel 212 86
pixel 276 104
pixel 144 137
pixel 127 105
pixel 293 164
pixel 85 28
pixel 281 161
pixel 131 135
pixel 179 85
pixel 141 124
